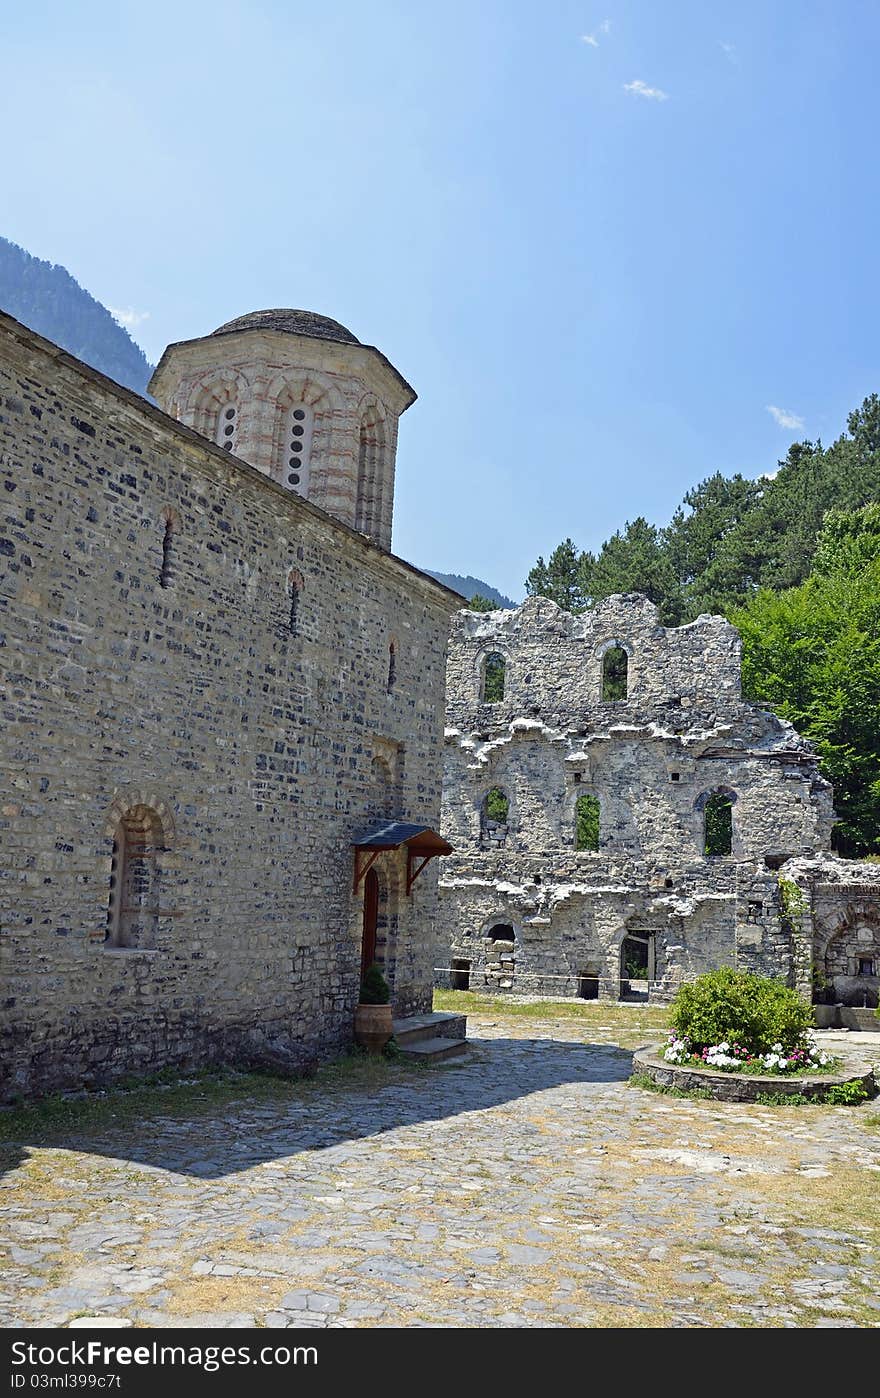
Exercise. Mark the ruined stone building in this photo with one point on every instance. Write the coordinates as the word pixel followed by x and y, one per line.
pixel 222 705
pixel 621 818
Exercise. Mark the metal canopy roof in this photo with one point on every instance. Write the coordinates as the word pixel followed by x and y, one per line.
pixel 421 842
pixel 394 833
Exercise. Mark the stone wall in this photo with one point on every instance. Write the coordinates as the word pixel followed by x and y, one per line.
pixel 652 760
pixel 229 675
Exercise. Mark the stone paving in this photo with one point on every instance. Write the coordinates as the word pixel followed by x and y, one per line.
pixel 527 1185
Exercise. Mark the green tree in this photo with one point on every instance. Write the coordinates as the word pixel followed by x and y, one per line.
pixel 812 653
pixel 636 560
pixel 479 603
pixel 561 578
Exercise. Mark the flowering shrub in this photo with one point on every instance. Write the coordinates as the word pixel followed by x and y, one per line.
pixel 734 1058
pixel 752 1013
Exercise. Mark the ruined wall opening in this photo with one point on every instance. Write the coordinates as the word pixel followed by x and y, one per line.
pixel 588 985
pixel 494 668
pixel 133 903
pixel 586 823
pixel 615 674
pixel 718 823
pixel 460 976
pixel 494 819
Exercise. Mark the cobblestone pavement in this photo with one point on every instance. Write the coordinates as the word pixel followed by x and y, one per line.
pixel 525 1186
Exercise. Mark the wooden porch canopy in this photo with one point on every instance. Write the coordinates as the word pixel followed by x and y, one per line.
pixel 422 844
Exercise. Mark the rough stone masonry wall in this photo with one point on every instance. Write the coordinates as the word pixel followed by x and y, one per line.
pixel 651 760
pixel 251 743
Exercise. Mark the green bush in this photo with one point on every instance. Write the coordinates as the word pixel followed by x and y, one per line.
pixel 738 1007
pixel 374 987
pixel 847 1094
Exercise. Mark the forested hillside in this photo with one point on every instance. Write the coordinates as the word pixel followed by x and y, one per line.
pixel 46 298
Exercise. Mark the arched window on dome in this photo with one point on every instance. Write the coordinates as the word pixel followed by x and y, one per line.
pixel 371 468
pixel 296 448
pixel 226 427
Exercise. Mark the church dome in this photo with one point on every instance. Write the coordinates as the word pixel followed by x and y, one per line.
pixel 291 323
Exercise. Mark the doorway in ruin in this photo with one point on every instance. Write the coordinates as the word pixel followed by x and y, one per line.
pixel 637 965
pixel 460 975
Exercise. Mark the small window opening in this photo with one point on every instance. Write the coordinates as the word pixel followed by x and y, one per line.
pixel 166 572
pixel 296 449
pixel 493 678
pixel 866 966
pixel 669 883
pixel 675 776
pixel 460 978
pixel 586 831
pixel 615 666
pixel 294 589
pixel 718 824
pixel 588 986
pixel 392 666
pixel 578 777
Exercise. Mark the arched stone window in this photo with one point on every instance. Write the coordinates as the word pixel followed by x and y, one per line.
pixel 586 823
pixel 382 790
pixel 296 448
pixel 717 808
pixel 494 819
pixel 493 679
pixel 615 673
pixel 392 664
pixel 295 586
pixel 133 904
pixel 371 472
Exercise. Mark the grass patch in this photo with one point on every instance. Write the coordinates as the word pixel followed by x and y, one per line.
pixel 607 1013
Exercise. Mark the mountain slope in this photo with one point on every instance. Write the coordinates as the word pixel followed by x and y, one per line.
pixel 46 298
pixel 468 586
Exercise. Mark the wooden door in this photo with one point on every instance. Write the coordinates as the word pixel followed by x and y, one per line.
pixel 371 919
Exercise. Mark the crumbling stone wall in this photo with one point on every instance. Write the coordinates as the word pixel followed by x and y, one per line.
pixel 653 760
pixel 231 681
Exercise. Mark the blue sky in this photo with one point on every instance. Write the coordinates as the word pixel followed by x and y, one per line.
pixel 603 241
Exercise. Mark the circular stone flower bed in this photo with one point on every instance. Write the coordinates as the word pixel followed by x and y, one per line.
pixel 729 1086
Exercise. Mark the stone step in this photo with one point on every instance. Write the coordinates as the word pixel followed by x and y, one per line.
pixel 434 1050
pixel 438 1025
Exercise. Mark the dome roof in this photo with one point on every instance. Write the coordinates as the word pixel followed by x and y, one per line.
pixel 291 323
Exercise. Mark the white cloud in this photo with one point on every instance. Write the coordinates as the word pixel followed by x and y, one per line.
pixel 729 50
pixel 783 418
pixel 593 39
pixel 130 319
pixel 641 89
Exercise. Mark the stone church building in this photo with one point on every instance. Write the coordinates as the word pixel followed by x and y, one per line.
pixel 623 820
pixel 222 706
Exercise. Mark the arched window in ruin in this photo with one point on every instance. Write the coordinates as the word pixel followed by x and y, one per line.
pixel 586 823
pixel 494 667
pixel 494 818
pixel 296 448
pixel 501 932
pixel 133 904
pixel 295 586
pixel 717 809
pixel 371 472
pixel 392 664
pixel 615 673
